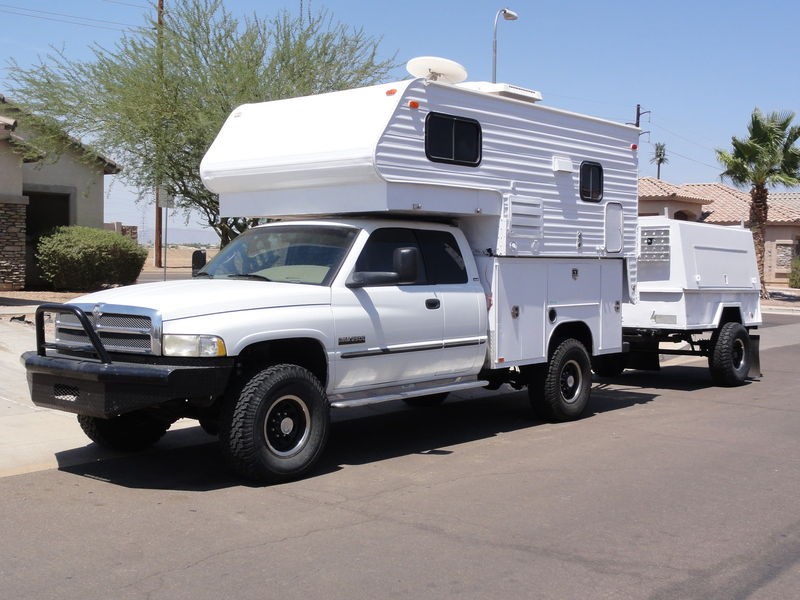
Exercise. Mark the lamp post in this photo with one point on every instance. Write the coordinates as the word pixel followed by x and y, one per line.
pixel 508 15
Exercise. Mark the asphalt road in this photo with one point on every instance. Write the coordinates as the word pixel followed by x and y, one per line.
pixel 668 489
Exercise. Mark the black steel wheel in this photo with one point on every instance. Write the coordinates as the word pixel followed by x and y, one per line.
pixel 564 390
pixel 729 359
pixel 278 425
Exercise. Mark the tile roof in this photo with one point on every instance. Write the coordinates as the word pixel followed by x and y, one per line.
pixel 723 204
pixel 733 206
pixel 658 189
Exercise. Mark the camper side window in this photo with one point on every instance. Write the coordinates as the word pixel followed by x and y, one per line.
pixel 591 181
pixel 451 139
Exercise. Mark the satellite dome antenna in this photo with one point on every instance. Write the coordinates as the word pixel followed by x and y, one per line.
pixel 434 68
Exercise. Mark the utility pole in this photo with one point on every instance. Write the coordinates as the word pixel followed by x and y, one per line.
pixel 639 114
pixel 157 261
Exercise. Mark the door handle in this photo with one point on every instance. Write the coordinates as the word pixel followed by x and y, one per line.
pixel 432 303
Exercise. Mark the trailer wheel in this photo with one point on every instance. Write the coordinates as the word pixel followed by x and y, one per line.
pixel 278 425
pixel 564 391
pixel 729 360
pixel 426 401
pixel 127 433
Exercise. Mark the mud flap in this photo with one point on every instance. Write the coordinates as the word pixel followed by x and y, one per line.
pixel 755 358
pixel 644 356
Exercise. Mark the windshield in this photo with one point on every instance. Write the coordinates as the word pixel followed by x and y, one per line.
pixel 286 253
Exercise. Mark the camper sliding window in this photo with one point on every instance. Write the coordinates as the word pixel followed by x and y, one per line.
pixel 453 140
pixel 591 182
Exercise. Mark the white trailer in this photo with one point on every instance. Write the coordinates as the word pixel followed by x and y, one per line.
pixel 699 294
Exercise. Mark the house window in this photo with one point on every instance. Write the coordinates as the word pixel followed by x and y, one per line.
pixel 454 140
pixel 591 182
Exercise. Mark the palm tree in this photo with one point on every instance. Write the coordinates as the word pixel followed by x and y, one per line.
pixel 767 157
pixel 659 157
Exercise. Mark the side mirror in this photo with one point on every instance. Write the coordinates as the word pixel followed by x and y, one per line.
pixel 404 271
pixel 404 263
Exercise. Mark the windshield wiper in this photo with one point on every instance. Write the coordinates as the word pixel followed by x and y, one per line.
pixel 248 276
pixel 203 274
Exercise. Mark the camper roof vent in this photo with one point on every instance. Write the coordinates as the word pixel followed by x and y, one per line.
pixel 504 89
pixel 434 68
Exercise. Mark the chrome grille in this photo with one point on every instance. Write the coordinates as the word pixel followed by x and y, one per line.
pixel 118 332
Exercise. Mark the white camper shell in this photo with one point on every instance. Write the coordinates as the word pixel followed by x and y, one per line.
pixel 369 150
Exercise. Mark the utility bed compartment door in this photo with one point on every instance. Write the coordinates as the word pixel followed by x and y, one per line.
pixel 528 291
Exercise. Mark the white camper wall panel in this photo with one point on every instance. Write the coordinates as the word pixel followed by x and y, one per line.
pixel 326 139
pixel 519 143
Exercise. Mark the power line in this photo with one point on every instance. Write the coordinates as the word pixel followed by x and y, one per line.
pixel 133 4
pixel 684 138
pixel 64 18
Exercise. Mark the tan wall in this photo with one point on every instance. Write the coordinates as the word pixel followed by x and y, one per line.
pixel 10 171
pixel 781 245
pixel 83 182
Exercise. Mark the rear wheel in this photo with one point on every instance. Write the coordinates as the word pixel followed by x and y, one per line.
pixel 127 433
pixel 278 425
pixel 729 360
pixel 564 391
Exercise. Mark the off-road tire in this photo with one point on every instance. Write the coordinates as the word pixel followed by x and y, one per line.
pixel 562 393
pixel 729 358
pixel 127 433
pixel 277 426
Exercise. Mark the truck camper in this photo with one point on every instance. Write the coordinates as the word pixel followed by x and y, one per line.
pixel 425 236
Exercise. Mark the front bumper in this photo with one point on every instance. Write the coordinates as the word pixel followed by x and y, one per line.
pixel 106 390
pixel 86 381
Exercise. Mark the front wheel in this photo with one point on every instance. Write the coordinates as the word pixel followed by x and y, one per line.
pixel 564 390
pixel 278 426
pixel 729 360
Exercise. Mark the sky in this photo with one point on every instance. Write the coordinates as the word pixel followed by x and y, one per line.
pixel 697 68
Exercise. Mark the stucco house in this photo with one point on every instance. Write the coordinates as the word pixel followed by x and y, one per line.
pixel 724 205
pixel 38 194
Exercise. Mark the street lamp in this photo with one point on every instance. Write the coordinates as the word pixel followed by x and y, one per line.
pixel 508 15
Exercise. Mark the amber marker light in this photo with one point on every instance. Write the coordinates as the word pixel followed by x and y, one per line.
pixel 391 92
pixel 413 104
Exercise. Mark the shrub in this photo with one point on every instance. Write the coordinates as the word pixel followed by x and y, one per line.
pixel 83 258
pixel 794 274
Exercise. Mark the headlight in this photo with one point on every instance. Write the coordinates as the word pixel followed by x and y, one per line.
pixel 192 345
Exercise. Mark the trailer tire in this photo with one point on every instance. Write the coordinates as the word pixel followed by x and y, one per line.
pixel 729 359
pixel 126 433
pixel 426 401
pixel 563 392
pixel 278 425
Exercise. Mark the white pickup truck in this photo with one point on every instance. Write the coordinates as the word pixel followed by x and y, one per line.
pixel 431 236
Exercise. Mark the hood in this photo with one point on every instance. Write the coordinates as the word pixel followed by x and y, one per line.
pixel 197 297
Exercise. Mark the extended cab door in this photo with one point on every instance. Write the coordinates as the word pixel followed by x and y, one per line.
pixel 389 334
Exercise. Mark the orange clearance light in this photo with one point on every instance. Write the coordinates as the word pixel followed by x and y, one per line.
pixel 391 92
pixel 413 104
pixel 634 146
